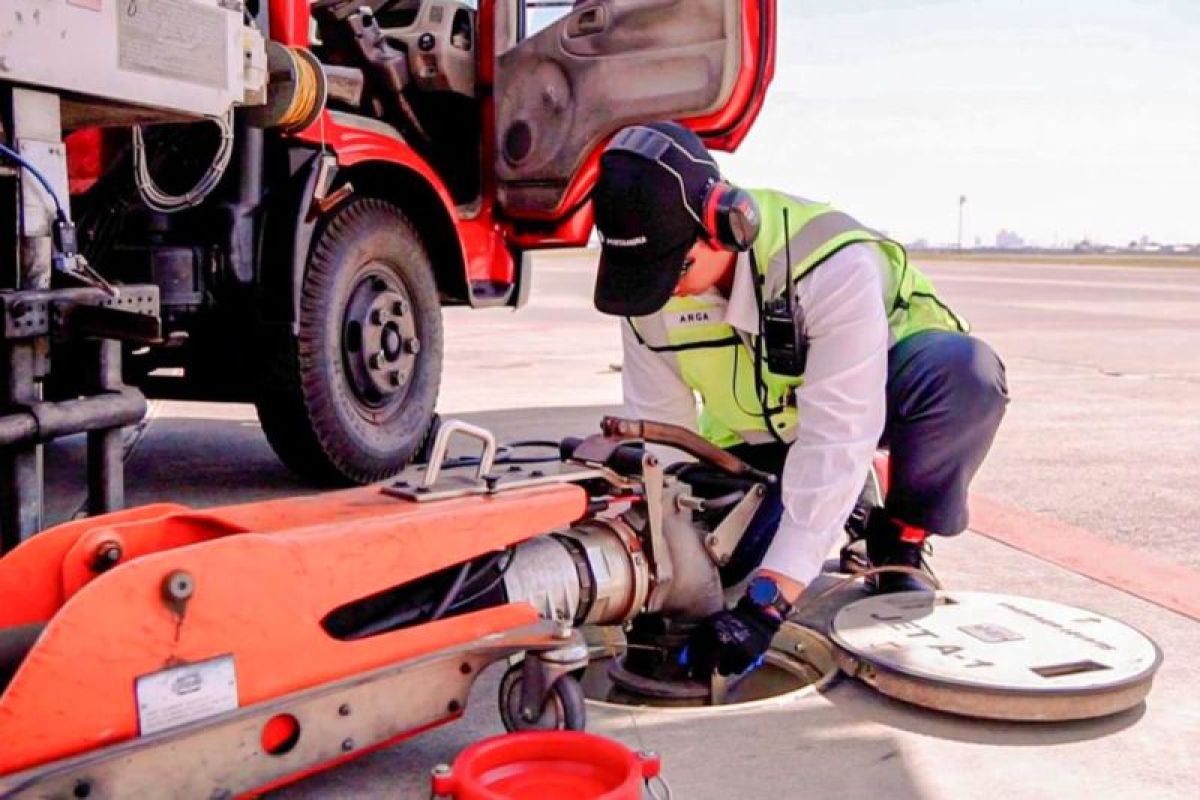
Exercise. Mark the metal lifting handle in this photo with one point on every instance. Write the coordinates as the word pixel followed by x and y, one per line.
pixel 441 443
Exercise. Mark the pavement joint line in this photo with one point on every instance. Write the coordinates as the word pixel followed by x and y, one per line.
pixel 1164 583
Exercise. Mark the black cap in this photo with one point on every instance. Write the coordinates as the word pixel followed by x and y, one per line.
pixel 648 202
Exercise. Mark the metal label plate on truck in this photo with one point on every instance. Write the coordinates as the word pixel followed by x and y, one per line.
pixel 184 694
pixel 179 39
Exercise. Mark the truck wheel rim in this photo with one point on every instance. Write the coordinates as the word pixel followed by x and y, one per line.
pixel 379 341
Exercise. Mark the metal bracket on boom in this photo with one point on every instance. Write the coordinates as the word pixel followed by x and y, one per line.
pixel 441 479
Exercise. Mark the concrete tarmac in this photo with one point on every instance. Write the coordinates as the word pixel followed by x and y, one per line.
pixel 1104 368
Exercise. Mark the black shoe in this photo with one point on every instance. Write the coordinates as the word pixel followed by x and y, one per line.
pixel 886 549
pixel 853 556
pixel 860 515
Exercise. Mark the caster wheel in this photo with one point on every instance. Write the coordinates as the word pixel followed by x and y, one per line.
pixel 564 709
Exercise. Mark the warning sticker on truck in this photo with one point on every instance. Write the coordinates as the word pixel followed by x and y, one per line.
pixel 185 694
pixel 180 39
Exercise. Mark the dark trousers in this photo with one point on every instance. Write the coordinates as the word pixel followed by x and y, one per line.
pixel 946 394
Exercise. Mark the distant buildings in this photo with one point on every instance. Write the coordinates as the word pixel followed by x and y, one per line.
pixel 1009 240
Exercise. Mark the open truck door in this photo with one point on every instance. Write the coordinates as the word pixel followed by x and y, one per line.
pixel 562 92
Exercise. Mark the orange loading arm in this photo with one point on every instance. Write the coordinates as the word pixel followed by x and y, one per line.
pixel 263 577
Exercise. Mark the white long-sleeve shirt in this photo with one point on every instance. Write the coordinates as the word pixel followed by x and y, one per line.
pixel 841 405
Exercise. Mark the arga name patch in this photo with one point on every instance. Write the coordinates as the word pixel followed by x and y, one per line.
pixel 703 316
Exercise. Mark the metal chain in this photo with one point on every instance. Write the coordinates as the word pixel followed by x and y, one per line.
pixel 612 649
pixel 653 792
pixel 923 575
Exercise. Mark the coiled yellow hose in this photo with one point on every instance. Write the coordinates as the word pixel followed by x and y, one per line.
pixel 306 93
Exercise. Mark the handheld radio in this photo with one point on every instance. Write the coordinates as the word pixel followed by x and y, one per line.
pixel 783 335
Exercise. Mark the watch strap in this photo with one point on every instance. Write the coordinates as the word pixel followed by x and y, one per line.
pixel 776 602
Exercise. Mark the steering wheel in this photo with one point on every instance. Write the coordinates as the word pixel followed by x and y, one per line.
pixel 440 42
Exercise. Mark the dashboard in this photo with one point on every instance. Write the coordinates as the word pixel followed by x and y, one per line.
pixel 440 39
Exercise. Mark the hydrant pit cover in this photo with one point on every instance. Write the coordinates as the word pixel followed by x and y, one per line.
pixel 995 656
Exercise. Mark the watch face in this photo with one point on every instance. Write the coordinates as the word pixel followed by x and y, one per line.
pixel 763 591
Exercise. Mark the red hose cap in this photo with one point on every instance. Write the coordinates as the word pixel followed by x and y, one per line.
pixel 547 765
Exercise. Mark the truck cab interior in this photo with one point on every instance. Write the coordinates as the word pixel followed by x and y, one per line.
pixel 566 76
pixel 410 65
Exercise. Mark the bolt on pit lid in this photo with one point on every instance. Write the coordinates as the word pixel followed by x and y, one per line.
pixel 994 655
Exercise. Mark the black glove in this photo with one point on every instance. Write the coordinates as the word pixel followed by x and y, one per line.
pixel 732 641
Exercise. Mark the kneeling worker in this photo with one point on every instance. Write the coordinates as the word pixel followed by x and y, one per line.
pixel 809 340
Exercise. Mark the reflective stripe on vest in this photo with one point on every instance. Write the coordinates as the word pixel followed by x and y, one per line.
pixel 718 363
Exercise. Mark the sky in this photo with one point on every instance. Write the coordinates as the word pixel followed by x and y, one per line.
pixel 1058 119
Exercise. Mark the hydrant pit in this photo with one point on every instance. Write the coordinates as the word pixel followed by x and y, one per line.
pixel 799 663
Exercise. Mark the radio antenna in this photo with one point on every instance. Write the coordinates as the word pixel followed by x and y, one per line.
pixel 789 283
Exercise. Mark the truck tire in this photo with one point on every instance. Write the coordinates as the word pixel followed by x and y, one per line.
pixel 349 398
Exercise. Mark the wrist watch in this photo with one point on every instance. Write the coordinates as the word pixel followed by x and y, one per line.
pixel 765 593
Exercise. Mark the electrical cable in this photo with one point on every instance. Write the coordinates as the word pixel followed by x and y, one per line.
pixel 452 599
pixel 504 455
pixel 13 155
pixel 760 385
pixel 161 201
pixel 63 242
pixel 733 390
pixel 418 612
pixel 492 561
pixel 451 593
pixel 535 443
pixel 389 623
pixel 512 551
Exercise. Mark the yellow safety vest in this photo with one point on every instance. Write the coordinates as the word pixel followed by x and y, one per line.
pixel 718 363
